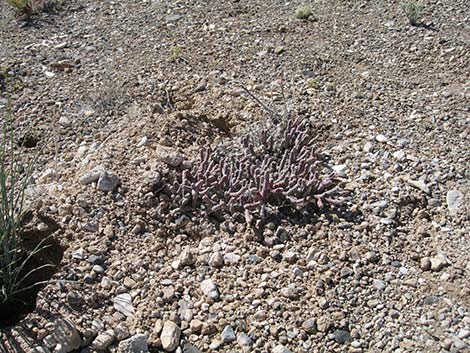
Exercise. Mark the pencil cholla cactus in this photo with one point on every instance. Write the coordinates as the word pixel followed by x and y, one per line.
pixel 274 167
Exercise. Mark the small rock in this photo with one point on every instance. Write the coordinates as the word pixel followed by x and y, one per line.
pixel 310 326
pixel 244 341
pixel 123 304
pixel 97 325
pixel 195 326
pixel 323 324
pixel 201 87
pixel 346 271
pixel 394 314
pixel 106 283
pixel 399 154
pixel 166 282
pixel 378 284
pixel 66 336
pixel 38 349
pixel 323 303
pixel 98 269
pixel 371 257
pixel 290 292
pixel 216 260
pixel 208 329
pixel 454 199
pixel 109 231
pixel 107 182
pixel 103 340
pixel 291 257
pixel 431 299
pixel 381 138
pixel 463 334
pixel 129 282
pixel 168 294
pixel 64 121
pixel 134 344
pixel 425 264
pixel 367 147
pixel 215 345
pixel 92 176
pixel 210 289
pixel 419 184
pixel 121 332
pixel 231 258
pixel 170 336
pixel 228 335
pixel 342 336
pixel 189 348
pixel 438 262
pixel 79 254
pixel 136 229
pixel 173 18
pixel 157 329
pixel 143 141
pixel 187 257
pixel 340 169
pixel 281 349
pixel 182 221
pixel 74 297
pixel 173 160
pixel 434 202
pixel 460 346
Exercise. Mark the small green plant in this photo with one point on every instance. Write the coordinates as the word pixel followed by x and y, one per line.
pixel 314 83
pixel 413 10
pixel 176 53
pixel 22 7
pixel 305 12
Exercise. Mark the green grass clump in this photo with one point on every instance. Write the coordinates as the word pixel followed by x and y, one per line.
pixel 304 12
pixel 22 7
pixel 413 10
pixel 15 174
pixel 25 9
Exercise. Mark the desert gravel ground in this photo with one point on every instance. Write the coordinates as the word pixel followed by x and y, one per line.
pixel 118 86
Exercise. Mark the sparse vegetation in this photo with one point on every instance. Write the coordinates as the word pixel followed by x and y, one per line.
pixel 22 7
pixel 111 92
pixel 177 55
pixel 305 12
pixel 314 83
pixel 413 10
pixel 15 173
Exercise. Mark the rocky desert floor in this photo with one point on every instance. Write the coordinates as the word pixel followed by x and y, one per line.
pixel 108 94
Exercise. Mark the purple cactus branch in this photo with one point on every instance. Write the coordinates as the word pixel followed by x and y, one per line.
pixel 276 166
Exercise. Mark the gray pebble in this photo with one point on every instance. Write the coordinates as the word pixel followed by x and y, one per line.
pixel 107 182
pixel 342 336
pixel 228 335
